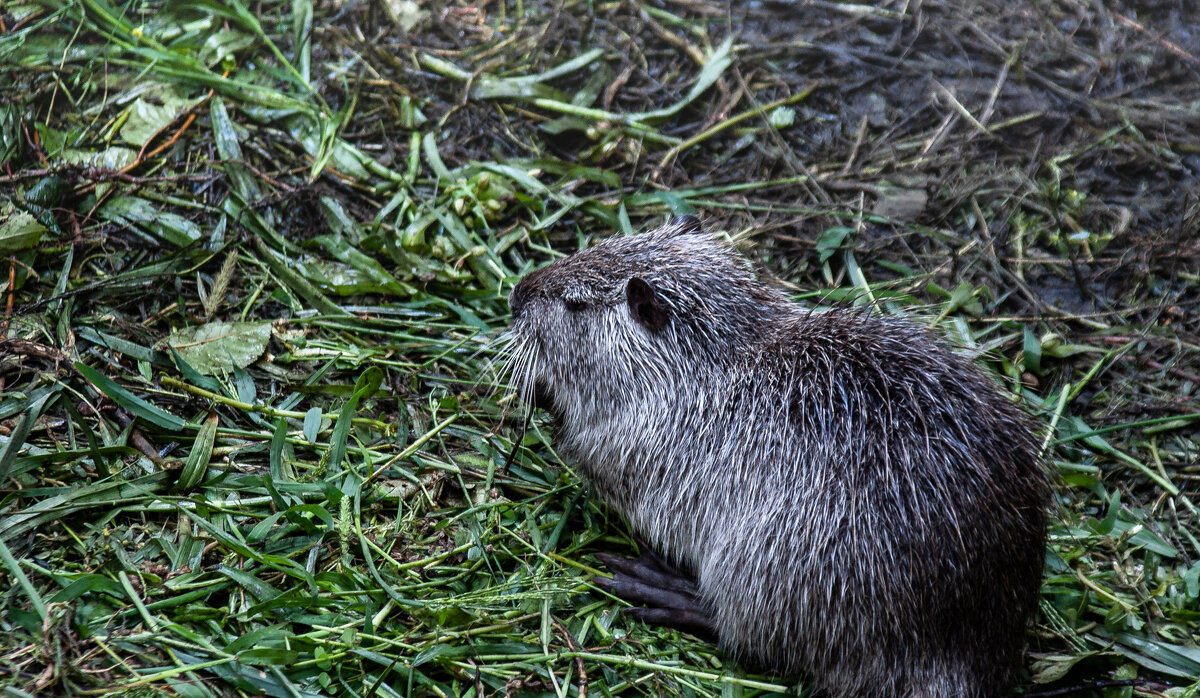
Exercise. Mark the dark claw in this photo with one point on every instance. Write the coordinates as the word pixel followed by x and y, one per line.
pixel 667 596
pixel 649 569
pixel 637 591
pixel 689 621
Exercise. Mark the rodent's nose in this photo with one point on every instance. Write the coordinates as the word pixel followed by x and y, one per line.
pixel 518 299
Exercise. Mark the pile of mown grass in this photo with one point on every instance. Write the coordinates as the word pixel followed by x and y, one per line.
pixel 255 255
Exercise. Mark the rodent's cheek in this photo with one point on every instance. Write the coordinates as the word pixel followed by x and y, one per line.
pixel 521 326
pixel 529 332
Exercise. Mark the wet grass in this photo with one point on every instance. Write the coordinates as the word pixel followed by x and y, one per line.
pixel 255 255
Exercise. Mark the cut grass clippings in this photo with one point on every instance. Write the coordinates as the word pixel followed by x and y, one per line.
pixel 254 258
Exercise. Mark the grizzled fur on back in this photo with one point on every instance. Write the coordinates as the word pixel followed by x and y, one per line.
pixel 857 503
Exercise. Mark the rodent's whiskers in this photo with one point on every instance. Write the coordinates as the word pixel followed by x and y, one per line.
pixel 499 364
pixel 514 365
pixel 513 360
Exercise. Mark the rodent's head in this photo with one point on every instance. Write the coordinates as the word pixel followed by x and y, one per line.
pixel 633 318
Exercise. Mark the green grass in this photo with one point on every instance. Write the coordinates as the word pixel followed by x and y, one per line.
pixel 255 257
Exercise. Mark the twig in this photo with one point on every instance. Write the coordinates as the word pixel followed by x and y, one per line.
pixel 142 156
pixel 936 138
pixel 583 679
pixel 26 174
pixel 8 302
pixel 1169 45
pixel 25 347
pixel 989 108
pixel 958 107
pixel 663 33
pixel 858 141
pixel 141 443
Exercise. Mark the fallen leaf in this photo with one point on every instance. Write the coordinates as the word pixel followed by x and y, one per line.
pixel 220 346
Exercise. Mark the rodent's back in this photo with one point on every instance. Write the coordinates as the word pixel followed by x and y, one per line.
pixel 911 499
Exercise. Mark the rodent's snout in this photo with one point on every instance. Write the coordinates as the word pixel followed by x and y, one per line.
pixel 523 292
pixel 518 298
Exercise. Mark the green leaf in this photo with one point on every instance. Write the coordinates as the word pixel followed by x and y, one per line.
pixel 88 584
pixel 713 68
pixel 1033 351
pixel 1054 667
pixel 263 656
pixel 112 158
pixel 368 382
pixel 302 18
pixel 197 463
pixel 354 274
pixel 247 391
pixel 220 346
pixel 312 424
pixel 366 385
pixel 224 44
pixel 257 588
pixel 192 375
pixel 831 240
pixel 1164 657
pixel 1110 519
pixel 19 231
pixel 430 653
pixel 275 456
pixel 1191 580
pixel 429 147
pixel 14 568
pixel 678 204
pixel 283 268
pixel 121 346
pixel 48 191
pixel 16 439
pixel 263 528
pixel 960 297
pixel 100 494
pixel 171 227
pixel 1146 538
pixel 131 402
pixel 230 150
pixel 153 111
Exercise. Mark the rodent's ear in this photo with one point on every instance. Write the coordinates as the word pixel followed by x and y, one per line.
pixel 683 225
pixel 644 305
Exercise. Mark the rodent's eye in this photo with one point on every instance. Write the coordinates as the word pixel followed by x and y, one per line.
pixel 574 305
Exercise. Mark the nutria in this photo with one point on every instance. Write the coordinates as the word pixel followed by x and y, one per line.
pixel 834 495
